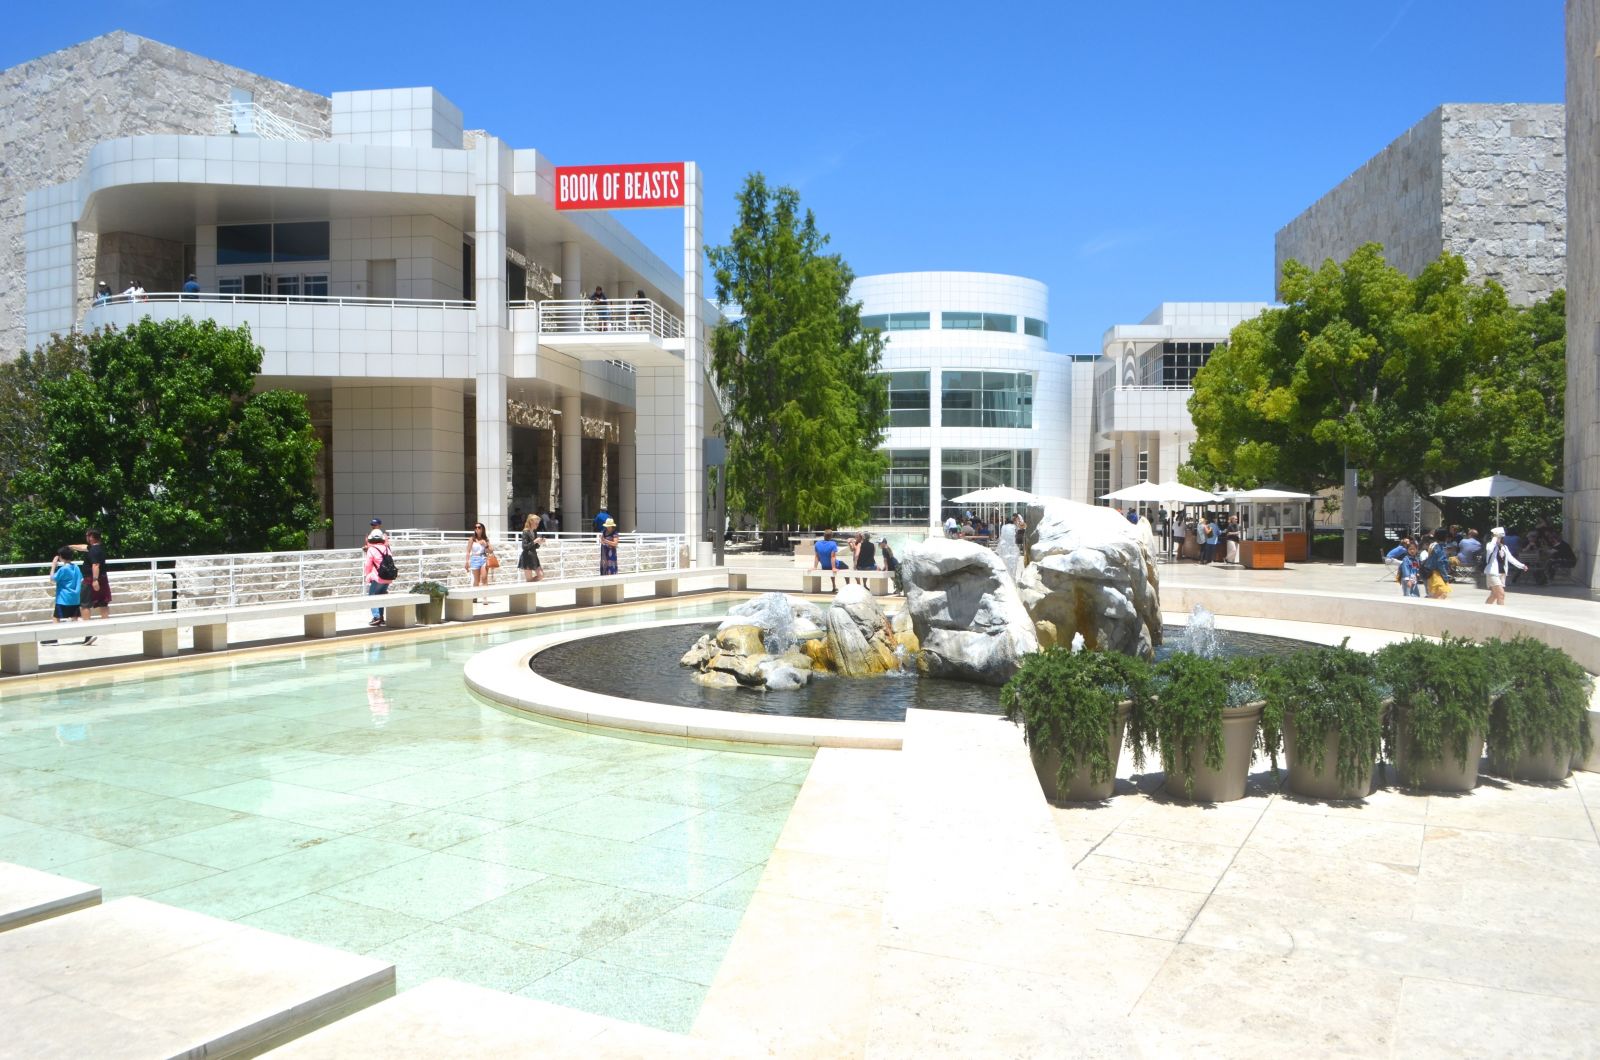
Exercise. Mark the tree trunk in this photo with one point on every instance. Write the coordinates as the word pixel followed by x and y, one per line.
pixel 1376 493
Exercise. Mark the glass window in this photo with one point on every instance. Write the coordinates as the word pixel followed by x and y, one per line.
pixel 1035 327
pixel 300 241
pixel 964 470
pixel 244 244
pixel 999 322
pixel 908 321
pixel 986 399
pixel 1102 477
pixel 903 498
pixel 949 321
pixel 876 322
pixel 231 285
pixel 908 399
pixel 316 285
pixel 287 286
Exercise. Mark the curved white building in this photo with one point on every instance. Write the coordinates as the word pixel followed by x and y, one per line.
pixel 976 397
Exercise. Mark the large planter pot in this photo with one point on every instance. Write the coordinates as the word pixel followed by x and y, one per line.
pixel 432 612
pixel 1543 765
pixel 1079 787
pixel 1238 750
pixel 1304 779
pixel 1447 775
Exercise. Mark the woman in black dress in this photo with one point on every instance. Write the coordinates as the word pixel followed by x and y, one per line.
pixel 528 561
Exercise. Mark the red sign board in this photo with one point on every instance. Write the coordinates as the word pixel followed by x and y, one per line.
pixel 646 185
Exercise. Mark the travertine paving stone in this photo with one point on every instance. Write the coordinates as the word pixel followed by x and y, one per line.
pixel 27 895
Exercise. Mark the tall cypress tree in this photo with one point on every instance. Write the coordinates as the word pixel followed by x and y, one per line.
pixel 806 406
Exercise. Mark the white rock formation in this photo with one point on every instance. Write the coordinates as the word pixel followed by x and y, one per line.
pixel 965 611
pixel 1089 572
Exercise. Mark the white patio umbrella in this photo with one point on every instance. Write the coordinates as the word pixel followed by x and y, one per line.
pixel 1264 496
pixel 995 495
pixel 1149 492
pixel 1178 493
pixel 1498 486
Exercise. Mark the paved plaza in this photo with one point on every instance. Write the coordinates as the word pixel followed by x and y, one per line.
pixel 704 901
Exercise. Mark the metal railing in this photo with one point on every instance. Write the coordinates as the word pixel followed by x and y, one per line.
pixel 232 298
pixel 183 583
pixel 251 119
pixel 580 316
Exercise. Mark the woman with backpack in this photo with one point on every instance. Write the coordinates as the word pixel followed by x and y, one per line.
pixel 378 570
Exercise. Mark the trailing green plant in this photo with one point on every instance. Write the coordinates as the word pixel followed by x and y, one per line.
pixel 1067 702
pixel 1324 690
pixel 1541 699
pixel 1182 715
pixel 432 589
pixel 1441 693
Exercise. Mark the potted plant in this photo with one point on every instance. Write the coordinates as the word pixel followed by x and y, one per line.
pixel 1439 711
pixel 1073 708
pixel 1324 706
pixel 432 612
pixel 1202 715
pixel 1539 715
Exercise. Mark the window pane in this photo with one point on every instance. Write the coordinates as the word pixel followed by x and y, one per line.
pixel 244 244
pixel 999 322
pixel 876 322
pixel 1037 328
pixel 316 286
pixel 300 241
pixel 908 321
pixel 961 321
pixel 903 497
pixel 286 285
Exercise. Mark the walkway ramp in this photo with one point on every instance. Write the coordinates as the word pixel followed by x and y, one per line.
pixel 28 895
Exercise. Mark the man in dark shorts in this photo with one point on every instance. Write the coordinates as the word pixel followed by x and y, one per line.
pixel 96 583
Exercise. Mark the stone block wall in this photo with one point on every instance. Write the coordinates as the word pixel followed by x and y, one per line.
pixel 126 256
pixel 1392 199
pixel 1486 181
pixel 55 108
pixel 1583 286
pixel 1503 193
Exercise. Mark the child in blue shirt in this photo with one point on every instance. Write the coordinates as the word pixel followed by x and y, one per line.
pixel 68 580
pixel 1409 573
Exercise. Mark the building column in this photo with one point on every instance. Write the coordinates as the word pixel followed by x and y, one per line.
pixel 693 460
pixel 490 173
pixel 627 471
pixel 571 271
pixel 397 456
pixel 572 513
pixel 50 261
pixel 935 489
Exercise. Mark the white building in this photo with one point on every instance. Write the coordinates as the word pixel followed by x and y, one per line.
pixel 1142 385
pixel 976 397
pixel 419 285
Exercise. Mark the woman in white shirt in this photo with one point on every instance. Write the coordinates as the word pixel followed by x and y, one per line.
pixel 1496 558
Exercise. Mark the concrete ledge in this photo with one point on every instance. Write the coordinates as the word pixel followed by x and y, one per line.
pixel 28 895
pixel 502 675
pixel 137 978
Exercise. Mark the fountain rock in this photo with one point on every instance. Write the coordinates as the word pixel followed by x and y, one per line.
pixel 716 679
pixel 786 678
pixel 1088 572
pixel 966 615
pixel 860 639
pixel 743 639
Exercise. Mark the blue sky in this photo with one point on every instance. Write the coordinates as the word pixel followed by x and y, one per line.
pixel 1126 154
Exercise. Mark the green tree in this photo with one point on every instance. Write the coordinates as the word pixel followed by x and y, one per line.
pixel 162 444
pixel 1361 363
pixel 805 404
pixel 23 436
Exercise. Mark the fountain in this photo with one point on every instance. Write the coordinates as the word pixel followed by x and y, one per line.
pixel 1200 634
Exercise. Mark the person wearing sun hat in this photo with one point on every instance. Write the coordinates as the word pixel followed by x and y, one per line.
pixel 372 570
pixel 1496 559
pixel 377 528
pixel 608 547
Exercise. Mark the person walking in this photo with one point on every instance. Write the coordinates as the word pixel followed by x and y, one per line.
pixel 1436 565
pixel 1231 536
pixel 378 570
pixel 479 551
pixel 826 552
pixel 95 578
pixel 1179 532
pixel 1496 558
pixel 865 553
pixel 528 560
pixel 609 539
pixel 377 524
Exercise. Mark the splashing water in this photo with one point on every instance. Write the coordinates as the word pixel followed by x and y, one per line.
pixel 1077 642
pixel 1200 634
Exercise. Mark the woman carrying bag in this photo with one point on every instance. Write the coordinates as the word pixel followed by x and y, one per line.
pixel 480 556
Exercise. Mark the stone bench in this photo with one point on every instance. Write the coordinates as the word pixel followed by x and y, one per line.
pixel 599 589
pixel 879 582
pixel 19 645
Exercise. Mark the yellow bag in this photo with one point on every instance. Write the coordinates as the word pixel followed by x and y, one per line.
pixel 1438 588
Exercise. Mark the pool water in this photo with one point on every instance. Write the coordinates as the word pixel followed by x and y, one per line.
pixel 361 798
pixel 643 665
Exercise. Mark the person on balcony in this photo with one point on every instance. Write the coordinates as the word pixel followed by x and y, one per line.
pixel 191 285
pixel 640 313
pixel 598 301
pixel 609 539
pixel 102 293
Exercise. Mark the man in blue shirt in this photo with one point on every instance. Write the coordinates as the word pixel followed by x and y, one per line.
pixel 191 285
pixel 1470 551
pixel 827 551
pixel 600 520
pixel 1393 557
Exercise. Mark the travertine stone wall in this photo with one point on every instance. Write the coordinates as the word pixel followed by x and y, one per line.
pixel 55 108
pixel 123 257
pixel 1583 286
pixel 1486 181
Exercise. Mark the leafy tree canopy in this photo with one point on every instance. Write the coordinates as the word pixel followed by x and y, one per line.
pixel 23 436
pixel 806 406
pixel 161 444
pixel 1430 381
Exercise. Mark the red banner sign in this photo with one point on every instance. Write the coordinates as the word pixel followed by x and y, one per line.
pixel 647 185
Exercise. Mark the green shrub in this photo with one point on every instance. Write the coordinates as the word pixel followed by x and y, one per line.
pixel 1066 703
pixel 1541 699
pixel 1324 690
pixel 433 589
pixel 1182 714
pixel 1441 692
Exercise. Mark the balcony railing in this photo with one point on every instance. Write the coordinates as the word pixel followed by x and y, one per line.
pixel 279 299
pixel 248 119
pixel 580 316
